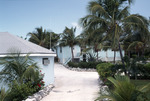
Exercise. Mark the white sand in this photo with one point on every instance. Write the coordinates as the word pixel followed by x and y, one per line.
pixel 73 86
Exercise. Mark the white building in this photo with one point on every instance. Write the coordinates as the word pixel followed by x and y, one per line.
pixel 64 54
pixel 39 54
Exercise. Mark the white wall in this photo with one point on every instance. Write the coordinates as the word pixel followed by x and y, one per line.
pixel 47 70
pixel 66 53
pixel 103 55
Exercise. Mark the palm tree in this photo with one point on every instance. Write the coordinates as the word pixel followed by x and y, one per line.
pixel 42 38
pixel 16 67
pixel 92 39
pixel 137 42
pixel 113 18
pixel 124 90
pixel 54 40
pixel 68 38
pixel 39 37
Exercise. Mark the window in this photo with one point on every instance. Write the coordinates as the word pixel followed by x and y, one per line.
pixel 46 61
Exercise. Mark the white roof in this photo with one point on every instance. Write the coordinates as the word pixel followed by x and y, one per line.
pixel 10 43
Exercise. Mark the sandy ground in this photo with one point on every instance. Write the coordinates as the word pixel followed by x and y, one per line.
pixel 73 86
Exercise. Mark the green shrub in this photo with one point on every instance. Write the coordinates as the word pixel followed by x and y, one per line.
pixel 147 67
pixel 20 92
pixel 104 70
pixel 93 64
pixel 83 64
pixel 73 64
pixel 125 90
pixel 88 65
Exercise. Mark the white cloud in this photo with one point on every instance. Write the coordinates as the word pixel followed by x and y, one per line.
pixel 78 28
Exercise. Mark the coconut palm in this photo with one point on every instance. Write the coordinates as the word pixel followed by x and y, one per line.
pixel 16 67
pixel 114 19
pixel 124 90
pixel 92 39
pixel 42 38
pixel 68 38
pixel 39 37
pixel 137 43
pixel 54 40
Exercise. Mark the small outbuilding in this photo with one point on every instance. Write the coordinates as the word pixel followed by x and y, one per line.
pixel 43 56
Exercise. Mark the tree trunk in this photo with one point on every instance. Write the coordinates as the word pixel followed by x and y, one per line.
pixel 129 54
pixel 72 54
pixel 122 59
pixel 97 56
pixel 143 51
pixel 114 57
pixel 138 54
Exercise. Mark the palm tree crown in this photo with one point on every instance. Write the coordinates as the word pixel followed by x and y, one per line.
pixel 69 38
pixel 112 19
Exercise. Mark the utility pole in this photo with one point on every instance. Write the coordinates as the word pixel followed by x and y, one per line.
pixel 50 41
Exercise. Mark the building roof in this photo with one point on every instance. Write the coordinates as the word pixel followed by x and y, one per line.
pixel 9 43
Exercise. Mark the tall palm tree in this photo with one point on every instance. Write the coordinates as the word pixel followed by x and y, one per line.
pixel 68 38
pixel 54 40
pixel 39 37
pixel 125 90
pixel 42 38
pixel 114 19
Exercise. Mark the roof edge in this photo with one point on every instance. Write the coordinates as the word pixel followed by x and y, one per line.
pixel 53 55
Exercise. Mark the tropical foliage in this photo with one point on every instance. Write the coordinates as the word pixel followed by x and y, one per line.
pixel 16 67
pixel 111 20
pixel 125 90
pixel 39 37
pixel 22 75
pixel 42 38
pixel 68 38
pixel 3 94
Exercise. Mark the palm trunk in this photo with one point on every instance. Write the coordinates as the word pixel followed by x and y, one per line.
pixel 122 59
pixel 72 54
pixel 129 54
pixel 143 51
pixel 97 56
pixel 114 57
pixel 138 54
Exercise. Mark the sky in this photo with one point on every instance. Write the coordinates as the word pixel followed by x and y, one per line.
pixel 19 17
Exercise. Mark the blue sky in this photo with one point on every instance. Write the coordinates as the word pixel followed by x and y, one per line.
pixel 22 16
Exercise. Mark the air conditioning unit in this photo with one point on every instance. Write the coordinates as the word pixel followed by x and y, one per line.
pixel 46 61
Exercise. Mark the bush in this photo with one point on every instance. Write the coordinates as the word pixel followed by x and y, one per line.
pixel 20 92
pixel 104 70
pixel 88 64
pixel 72 64
pixel 147 67
pixel 84 65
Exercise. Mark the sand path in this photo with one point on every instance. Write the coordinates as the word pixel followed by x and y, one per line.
pixel 73 86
